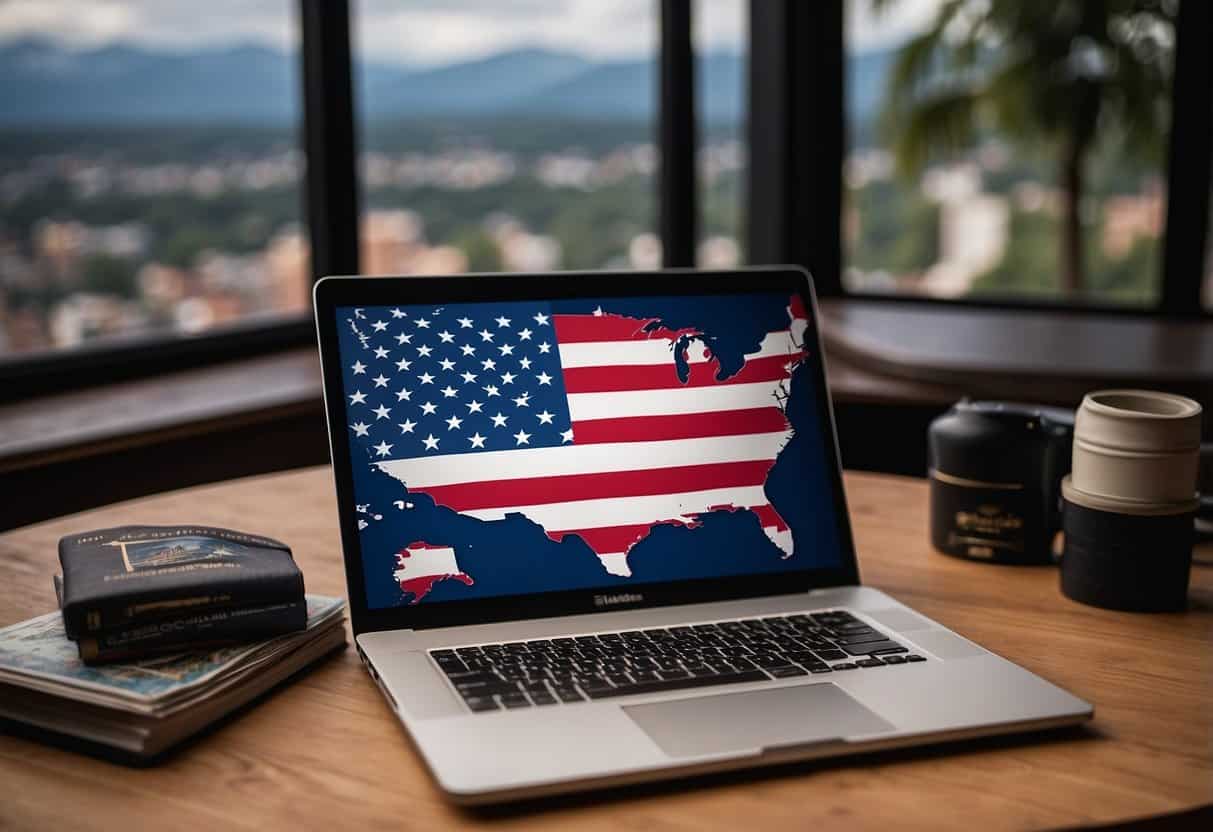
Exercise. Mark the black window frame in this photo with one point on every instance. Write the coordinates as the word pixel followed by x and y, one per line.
pixel 796 140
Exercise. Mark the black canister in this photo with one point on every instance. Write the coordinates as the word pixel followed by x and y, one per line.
pixel 995 472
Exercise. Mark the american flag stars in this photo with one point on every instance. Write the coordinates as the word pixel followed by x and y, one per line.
pixel 442 346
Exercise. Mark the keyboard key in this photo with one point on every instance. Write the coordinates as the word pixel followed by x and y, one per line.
pixel 680 684
pixel 843 666
pixel 894 660
pixel 569 694
pixel 674 674
pixel 785 672
pixel 914 657
pixel 874 647
pixel 860 638
pixel 543 699
pixel 831 655
pixel 481 703
pixel 515 700
pixel 870 663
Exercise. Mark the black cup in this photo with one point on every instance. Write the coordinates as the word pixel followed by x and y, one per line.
pixel 1121 561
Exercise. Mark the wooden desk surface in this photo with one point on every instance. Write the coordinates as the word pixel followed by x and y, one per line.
pixel 326 752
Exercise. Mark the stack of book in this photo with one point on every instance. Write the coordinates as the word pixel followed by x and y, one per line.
pixel 137 591
pixel 135 711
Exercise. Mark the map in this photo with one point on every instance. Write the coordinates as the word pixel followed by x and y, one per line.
pixel 518 447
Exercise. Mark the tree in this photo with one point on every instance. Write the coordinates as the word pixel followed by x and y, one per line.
pixel 1058 75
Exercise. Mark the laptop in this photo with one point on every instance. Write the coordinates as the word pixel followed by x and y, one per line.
pixel 595 533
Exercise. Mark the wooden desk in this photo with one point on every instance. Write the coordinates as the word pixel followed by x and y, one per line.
pixel 326 752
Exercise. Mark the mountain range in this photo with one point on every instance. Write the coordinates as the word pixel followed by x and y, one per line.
pixel 44 83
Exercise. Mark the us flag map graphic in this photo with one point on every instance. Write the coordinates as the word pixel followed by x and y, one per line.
pixel 598 426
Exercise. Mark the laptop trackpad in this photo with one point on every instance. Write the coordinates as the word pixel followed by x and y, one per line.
pixel 755 719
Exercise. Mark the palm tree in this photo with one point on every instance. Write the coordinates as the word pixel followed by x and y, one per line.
pixel 1062 75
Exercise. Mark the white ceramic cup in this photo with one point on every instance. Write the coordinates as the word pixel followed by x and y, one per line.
pixel 1136 447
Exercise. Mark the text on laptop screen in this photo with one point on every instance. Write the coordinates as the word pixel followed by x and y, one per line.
pixel 527 446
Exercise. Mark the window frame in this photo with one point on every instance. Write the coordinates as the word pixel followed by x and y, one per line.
pixel 796 70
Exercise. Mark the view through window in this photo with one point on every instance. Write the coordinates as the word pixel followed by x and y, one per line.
pixel 720 31
pixel 507 136
pixel 1002 148
pixel 150 172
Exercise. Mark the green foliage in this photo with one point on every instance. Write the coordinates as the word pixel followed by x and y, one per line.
pixel 481 251
pixel 898 229
pixel 104 274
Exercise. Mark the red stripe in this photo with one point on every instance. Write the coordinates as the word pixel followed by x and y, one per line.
pixel 663 376
pixel 608 539
pixel 577 329
pixel 796 307
pixel 541 490
pixel 679 426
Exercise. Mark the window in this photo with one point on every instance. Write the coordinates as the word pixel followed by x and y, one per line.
pixel 1007 150
pixel 720 74
pixel 149 170
pixel 499 136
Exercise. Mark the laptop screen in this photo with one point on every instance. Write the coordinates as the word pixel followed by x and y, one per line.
pixel 521 447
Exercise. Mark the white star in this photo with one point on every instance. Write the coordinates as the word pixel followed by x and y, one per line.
pixel 506 349
pixel 425 378
pixel 477 440
pixel 491 389
pixel 407 426
pixel 566 435
pixel 468 349
pixel 465 323
pixel 360 428
pixel 383 449
pixel 450 392
pixel 429 408
pixel 467 377
pixel 358 367
pixel 474 407
pixel 358 397
pixel 446 337
pixel 379 326
pixel 540 319
pixel 544 378
pixel 525 363
pixel 447 364
pixel 431 444
pixel 382 412
pixel 424 350
pixel 380 380
pixel 522 438
pixel 422 323
pixel 380 352
pixel 453 422
pixel 488 364
pixel 403 339
pixel 404 394
pixel 545 418
pixel 397 313
pixel 485 335
pixel 523 401
pixel 545 347
pixel 403 364
pixel 524 335
pixel 508 378
pixel 598 311
pixel 503 321
pixel 499 420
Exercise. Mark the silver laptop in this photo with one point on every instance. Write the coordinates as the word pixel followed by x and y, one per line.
pixel 595 533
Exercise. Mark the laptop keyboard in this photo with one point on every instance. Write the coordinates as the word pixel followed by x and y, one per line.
pixel 523 674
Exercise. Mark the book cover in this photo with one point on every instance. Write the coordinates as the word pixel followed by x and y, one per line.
pixel 189 632
pixel 114 578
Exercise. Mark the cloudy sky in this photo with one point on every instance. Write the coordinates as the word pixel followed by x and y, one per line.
pixel 421 31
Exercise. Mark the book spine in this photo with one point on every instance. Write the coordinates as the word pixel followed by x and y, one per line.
pixel 81 620
pixel 193 631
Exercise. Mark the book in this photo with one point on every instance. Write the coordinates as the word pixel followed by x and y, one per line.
pixel 116 578
pixel 207 627
pixel 136 711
